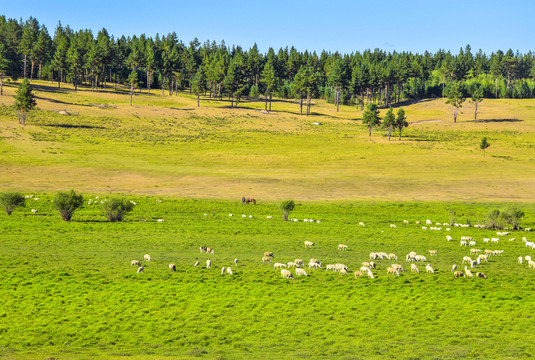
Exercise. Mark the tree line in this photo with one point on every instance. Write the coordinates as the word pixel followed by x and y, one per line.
pixel 27 50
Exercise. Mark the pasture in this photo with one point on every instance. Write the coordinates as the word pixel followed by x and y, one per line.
pixel 68 290
pixel 167 146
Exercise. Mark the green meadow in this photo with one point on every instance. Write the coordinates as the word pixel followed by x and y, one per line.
pixel 67 290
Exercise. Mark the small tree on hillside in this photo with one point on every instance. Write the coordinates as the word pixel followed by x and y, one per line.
pixel 477 97
pixel 132 80
pixel 512 215
pixel 286 207
pixel 11 201
pixel 270 81
pixel 198 84
pixel 483 145
pixel 370 117
pixel 455 94
pixel 67 202
pixel 389 121
pixel 115 209
pixel 24 100
pixel 401 121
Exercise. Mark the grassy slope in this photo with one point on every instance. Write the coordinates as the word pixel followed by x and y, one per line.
pixel 168 146
pixel 78 298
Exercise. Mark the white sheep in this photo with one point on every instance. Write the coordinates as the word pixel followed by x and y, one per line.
pixel 229 271
pixel 398 267
pixel 286 274
pixel 343 272
pixel 527 258
pixel 140 269
pixel 454 267
pixel 172 267
pixel 278 265
pixel 467 259
pixel 520 259
pixel 483 257
pixel 474 251
pixel 372 265
pixel 146 257
pixel 223 270
pixel 429 268
pixel 236 262
pixel 481 275
pixel 308 244
pixel 299 262
pixel 269 217
pixel 424 227
pixel 468 273
pixel 331 267
pixel 392 256
pixel 494 240
pixel 417 222
pixel 449 238
pixel 196 263
pixel 135 263
pixel 405 221
pixel 266 259
pixel 341 267
pixel 475 262
pixel 498 252
pixel 486 240
pixel 472 243
pixel 420 258
pixel 464 243
pixel 314 265
pixel 392 271
pixel 414 268
pixel 357 274
pixel 342 247
pixel 300 271
pixel 433 252
pixel 531 264
pixel 370 274
pixel 364 268
pixel 361 223
pixel 208 264
pixel 292 264
pixel 160 220
pixel 393 226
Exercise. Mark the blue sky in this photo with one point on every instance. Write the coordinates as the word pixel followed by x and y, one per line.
pixel 344 26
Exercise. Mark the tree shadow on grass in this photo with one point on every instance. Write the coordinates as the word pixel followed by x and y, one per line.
pixel 73 126
pixel 500 120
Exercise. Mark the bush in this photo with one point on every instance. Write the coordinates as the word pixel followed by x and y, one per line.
pixel 286 206
pixel 11 201
pixel 117 208
pixel 492 218
pixel 512 215
pixel 67 202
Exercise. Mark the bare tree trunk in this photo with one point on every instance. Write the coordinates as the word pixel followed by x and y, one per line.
pixel 25 62
pixel 148 81
pixel 171 86
pixel 475 113
pixel 389 132
pixel 31 73
pixel 308 105
pixel 301 106
pixel 40 67
pixel 1 84
pixel 198 100
pixel 266 98
pixel 270 99
pixel 369 131
pixel 337 99
pixel 496 95
pixel 131 93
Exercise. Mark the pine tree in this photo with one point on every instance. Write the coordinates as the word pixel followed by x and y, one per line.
pixel 389 121
pixel 401 121
pixel 370 117
pixel 477 97
pixel 42 49
pixel 198 84
pixel 29 37
pixel 24 100
pixel 4 62
pixel 270 82
pixel 483 145
pixel 59 61
pixel 455 95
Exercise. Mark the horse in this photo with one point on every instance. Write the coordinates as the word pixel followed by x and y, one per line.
pixel 250 200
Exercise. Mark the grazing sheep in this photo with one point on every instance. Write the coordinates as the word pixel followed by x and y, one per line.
pixel 342 247
pixel 343 272
pixel 467 259
pixel 472 243
pixel 172 267
pixel 292 264
pixel 420 258
pixel 498 252
pixel 236 262
pixel 196 263
pixel 474 251
pixel 269 217
pixel 475 262
pixel 464 243
pixel 331 267
pixel 468 273
pixel 481 275
pixel 458 274
pixel 398 267
pixel 361 223
pixel 520 259
pixel 146 257
pixel 392 271
pixel 372 265
pixel 409 257
pixel 315 261
pixel 429 268
pixel 160 220
pixel 366 264
pixel 229 271
pixel 527 258
pixel 393 226
pixel 373 256
pixel 140 269
pixel 428 222
pixel 299 262
pixel 223 270
pixel 34 211
pixel 449 238
pixel 454 267
pixel 392 256
pixel 314 265
pixel 486 240
pixel 405 221
pixel 269 253
pixel 364 268
pixel 467 238
pixel 483 257
pixel 340 267
pixel 433 252
pixel 370 274
pixel 300 271
pixel 414 268
pixel 424 227
pixel 489 252
pixel 210 250
pixel 266 259
pixel 357 274
pixel 203 249
pixel 278 265
pixel 135 263
pixel 286 274
pixel 494 240
pixel 531 264
pixel 208 263
pixel 308 244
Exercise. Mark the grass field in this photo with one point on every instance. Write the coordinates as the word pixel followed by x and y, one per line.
pixel 68 290
pixel 167 146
